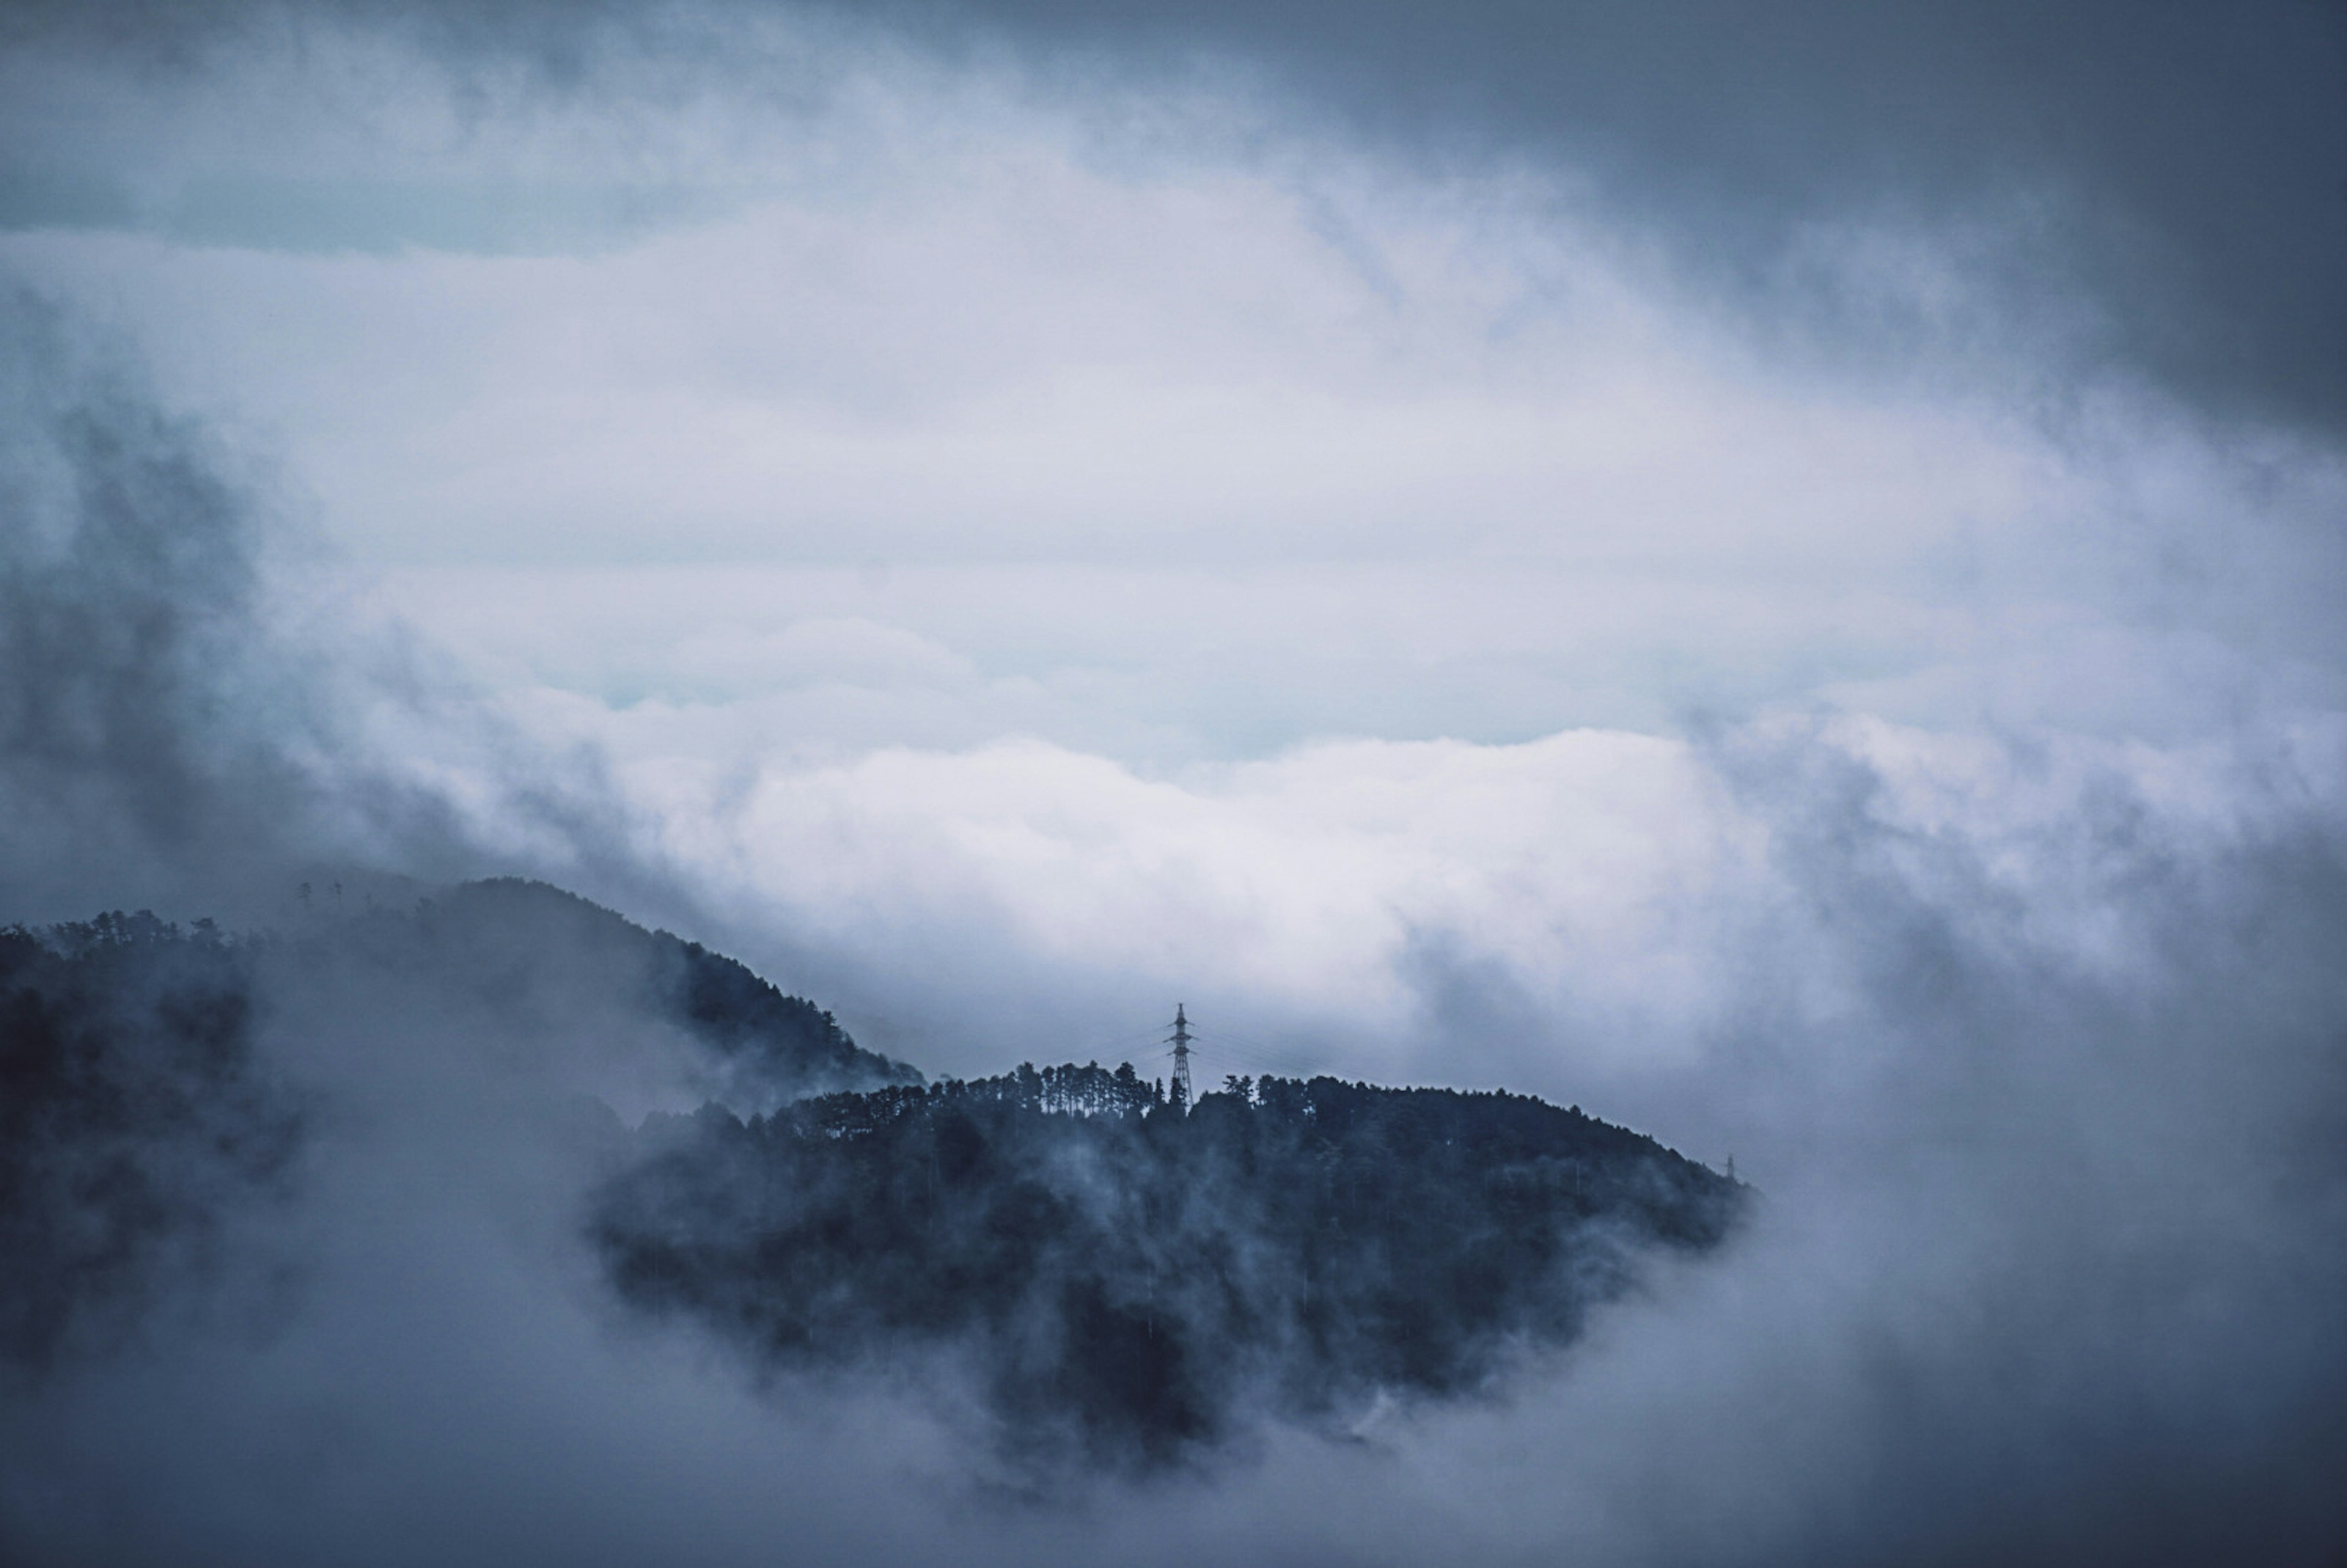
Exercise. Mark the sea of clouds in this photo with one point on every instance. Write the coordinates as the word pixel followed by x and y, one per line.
pixel 1004 536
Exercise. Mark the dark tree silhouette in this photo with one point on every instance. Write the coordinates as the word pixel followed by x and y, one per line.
pixel 1131 1277
pixel 131 1111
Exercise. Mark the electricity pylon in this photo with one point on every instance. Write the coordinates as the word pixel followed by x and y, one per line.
pixel 1181 1057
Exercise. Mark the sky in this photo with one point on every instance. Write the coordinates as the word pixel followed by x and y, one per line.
pixel 1773 573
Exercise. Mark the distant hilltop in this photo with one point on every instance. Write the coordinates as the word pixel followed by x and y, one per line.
pixel 1122 1274
pixel 532 940
pixel 1127 1280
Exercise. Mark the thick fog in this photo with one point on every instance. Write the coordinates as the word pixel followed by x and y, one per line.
pixel 1780 589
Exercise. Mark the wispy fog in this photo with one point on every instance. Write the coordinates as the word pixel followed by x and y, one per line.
pixel 1782 590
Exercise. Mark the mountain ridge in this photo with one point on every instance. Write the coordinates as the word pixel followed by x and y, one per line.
pixel 1130 1281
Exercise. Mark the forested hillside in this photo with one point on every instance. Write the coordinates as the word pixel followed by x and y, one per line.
pixel 139 1102
pixel 528 956
pixel 133 1112
pixel 1131 1277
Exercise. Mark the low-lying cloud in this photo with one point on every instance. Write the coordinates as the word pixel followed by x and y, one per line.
pixel 1922 783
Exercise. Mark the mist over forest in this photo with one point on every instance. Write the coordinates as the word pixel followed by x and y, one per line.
pixel 1132 1272
pixel 641 647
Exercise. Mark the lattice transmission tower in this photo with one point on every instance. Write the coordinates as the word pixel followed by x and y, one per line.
pixel 1181 1057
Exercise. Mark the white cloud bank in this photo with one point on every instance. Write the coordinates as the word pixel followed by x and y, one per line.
pixel 1011 569
pixel 1167 427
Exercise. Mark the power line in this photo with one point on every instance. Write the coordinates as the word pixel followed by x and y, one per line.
pixel 1253 1055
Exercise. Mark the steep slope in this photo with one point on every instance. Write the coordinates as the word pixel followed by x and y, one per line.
pixel 155 1081
pixel 539 957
